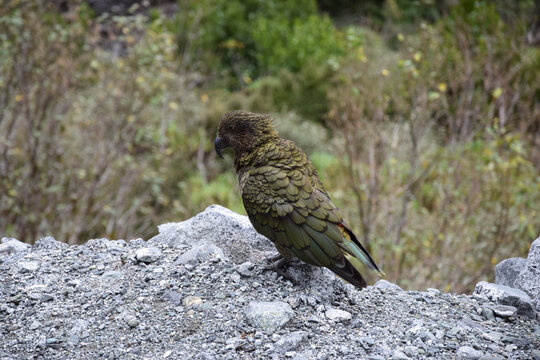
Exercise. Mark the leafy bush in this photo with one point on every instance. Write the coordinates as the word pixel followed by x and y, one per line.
pixel 254 38
pixel 432 132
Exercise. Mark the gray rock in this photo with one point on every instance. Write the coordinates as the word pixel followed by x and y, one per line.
pixel 148 255
pixel 173 296
pixel 399 355
pixel 10 246
pixel 199 252
pixel 290 341
pixel 535 354
pixel 507 271
pixel 506 295
pixel 269 316
pixel 528 279
pixel 338 315
pixel 231 232
pixel 112 275
pixel 488 313
pixel 491 357
pixel 49 243
pixel 46 298
pixel 504 311
pixel 74 283
pixel 203 306
pixel 35 325
pixel 387 286
pixel 411 351
pixel 494 336
pixel 469 353
pixel 28 266
pixel 132 321
pixel 245 269
pixel 79 328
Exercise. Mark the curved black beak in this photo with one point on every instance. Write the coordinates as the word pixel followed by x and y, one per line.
pixel 219 145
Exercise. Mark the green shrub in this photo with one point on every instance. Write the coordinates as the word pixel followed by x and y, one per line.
pixel 254 38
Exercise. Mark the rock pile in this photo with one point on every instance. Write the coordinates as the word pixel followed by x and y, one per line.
pixel 198 290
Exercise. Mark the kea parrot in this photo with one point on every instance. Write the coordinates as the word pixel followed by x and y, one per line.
pixel 285 199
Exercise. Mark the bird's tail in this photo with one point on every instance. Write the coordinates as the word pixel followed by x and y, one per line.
pixel 348 272
pixel 354 248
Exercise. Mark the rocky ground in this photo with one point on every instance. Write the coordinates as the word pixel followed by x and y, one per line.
pixel 198 290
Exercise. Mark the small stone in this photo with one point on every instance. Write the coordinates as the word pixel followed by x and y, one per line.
pixel 387 286
pixel 488 313
pixel 411 351
pixel 148 255
pixel 493 336
pixel 49 243
pixel 290 341
pixel 173 296
pixel 132 321
pixel 34 325
pixel 73 340
pixel 366 342
pixel 74 283
pixel 192 300
pixel 504 311
pixel 338 315
pixel 112 275
pixel 235 278
pixel 490 357
pixel 207 306
pixel 16 298
pixel 46 298
pixel 469 353
pixel 11 246
pixel 198 252
pixel 167 353
pixel 399 355
pixel 28 266
pixel 269 316
pixel 245 269
pixel 535 354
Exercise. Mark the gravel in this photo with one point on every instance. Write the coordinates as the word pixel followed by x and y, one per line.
pixel 113 299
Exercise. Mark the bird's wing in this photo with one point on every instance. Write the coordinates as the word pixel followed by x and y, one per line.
pixel 287 206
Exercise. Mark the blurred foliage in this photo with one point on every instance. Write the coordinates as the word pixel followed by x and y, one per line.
pixel 421 117
pixel 246 39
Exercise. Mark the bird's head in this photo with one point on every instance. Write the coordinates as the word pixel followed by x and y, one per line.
pixel 243 131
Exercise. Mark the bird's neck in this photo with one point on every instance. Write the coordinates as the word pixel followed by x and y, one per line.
pixel 250 156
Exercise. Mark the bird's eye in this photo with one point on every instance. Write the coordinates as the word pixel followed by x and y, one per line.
pixel 230 127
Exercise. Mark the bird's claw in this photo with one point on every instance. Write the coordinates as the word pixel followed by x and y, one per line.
pixel 278 266
pixel 274 258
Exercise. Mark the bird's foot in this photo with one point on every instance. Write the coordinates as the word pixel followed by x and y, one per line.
pixel 278 266
pixel 275 258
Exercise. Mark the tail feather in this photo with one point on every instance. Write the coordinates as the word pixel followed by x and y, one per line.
pixel 348 272
pixel 360 252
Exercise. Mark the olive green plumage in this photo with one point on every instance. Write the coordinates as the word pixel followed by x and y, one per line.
pixel 285 199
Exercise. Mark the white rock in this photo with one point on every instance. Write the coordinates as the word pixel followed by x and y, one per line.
pixel 10 246
pixel 338 315
pixel 148 255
